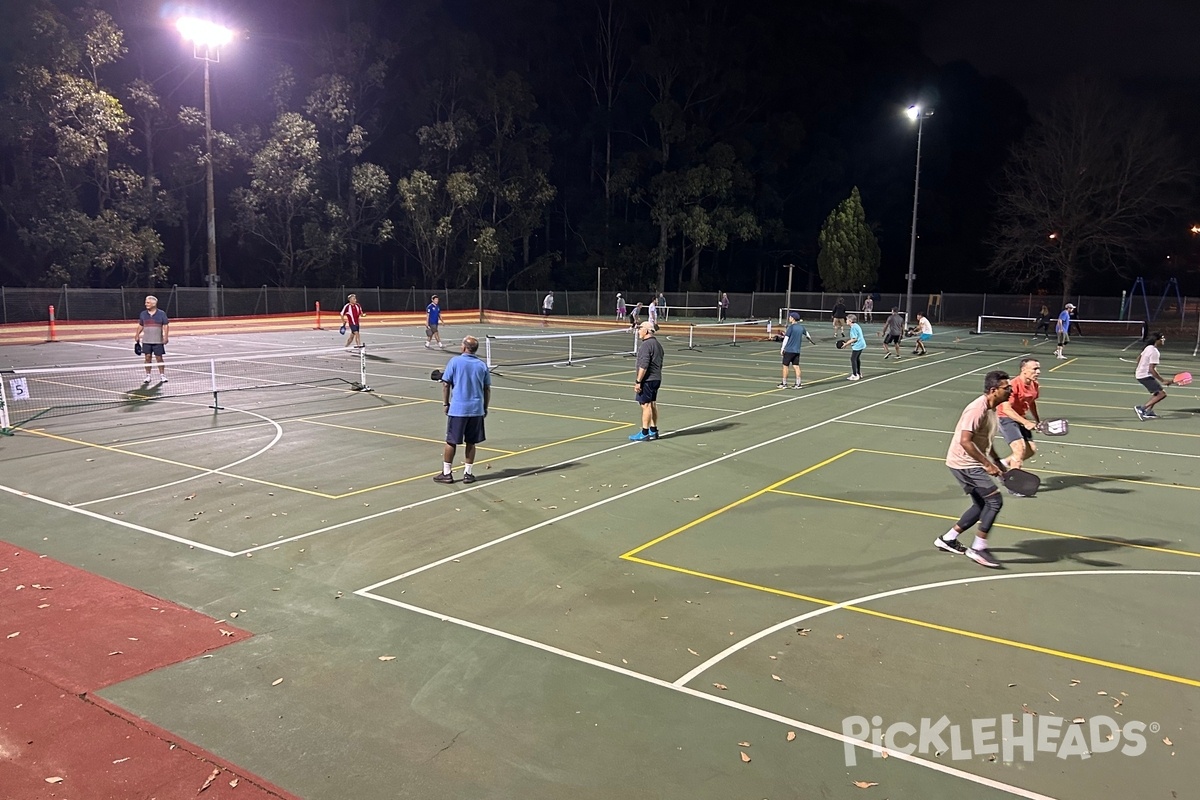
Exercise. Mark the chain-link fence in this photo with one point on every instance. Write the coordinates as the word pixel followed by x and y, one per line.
pixel 33 305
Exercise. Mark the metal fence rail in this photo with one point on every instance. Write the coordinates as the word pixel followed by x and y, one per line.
pixel 33 305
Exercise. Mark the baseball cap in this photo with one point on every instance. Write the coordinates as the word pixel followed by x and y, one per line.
pixel 794 315
pixel 1069 306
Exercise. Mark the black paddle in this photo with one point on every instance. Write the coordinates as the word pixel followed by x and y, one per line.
pixel 1018 481
pixel 436 375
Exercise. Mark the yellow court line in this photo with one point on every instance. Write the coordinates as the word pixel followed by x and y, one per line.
pixel 1034 648
pixel 160 460
pixel 1068 361
pixel 734 504
pixel 615 427
pixel 1040 469
pixel 424 439
pixel 552 416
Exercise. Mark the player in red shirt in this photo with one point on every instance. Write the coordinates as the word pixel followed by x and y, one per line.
pixel 351 314
pixel 1015 425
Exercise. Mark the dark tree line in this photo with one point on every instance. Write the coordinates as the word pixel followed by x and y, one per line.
pixel 665 144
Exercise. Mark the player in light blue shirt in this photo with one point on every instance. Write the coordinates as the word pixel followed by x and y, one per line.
pixel 466 394
pixel 790 349
pixel 857 343
pixel 1063 327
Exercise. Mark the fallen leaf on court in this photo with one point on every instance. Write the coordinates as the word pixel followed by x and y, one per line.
pixel 745 758
pixel 1108 738
pixel 693 652
pixel 721 686
pixel 387 658
pixel 233 783
pixel 743 744
pixel 1028 710
pixel 1102 693
pixel 664 617
pixel 883 753
pixel 55 779
pixel 211 778
pixel 776 677
pixel 233 614
pixel 1124 694
pixel 226 633
pixel 1078 721
pixel 791 737
pixel 115 653
pixel 1167 741
pixel 773 658
pixel 277 681
pixel 1117 702
pixel 44 605
pixel 121 760
pixel 13 635
pixel 841 636
pixel 803 631
pixel 190 497
pixel 1075 681
pixel 865 784
pixel 623 661
pixel 1055 698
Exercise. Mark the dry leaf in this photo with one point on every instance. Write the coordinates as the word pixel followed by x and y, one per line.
pixel 1167 741
pixel 1075 681
pixel 693 652
pixel 387 658
pixel 883 753
pixel 1055 698
pixel 776 677
pixel 865 784
pixel 1078 721
pixel 233 783
pixel 743 744
pixel 121 760
pixel 44 605
pixel 791 737
pixel 226 633
pixel 277 681
pixel 1102 693
pixel 211 778
pixel 841 636
pixel 13 635
pixel 745 758
pixel 803 631
pixel 721 686
pixel 55 779
pixel 1028 710
pixel 1117 702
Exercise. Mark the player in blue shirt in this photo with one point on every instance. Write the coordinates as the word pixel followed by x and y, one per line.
pixel 434 312
pixel 466 394
pixel 857 343
pixel 1062 327
pixel 790 349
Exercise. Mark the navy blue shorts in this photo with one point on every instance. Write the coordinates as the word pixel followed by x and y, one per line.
pixel 649 392
pixel 353 328
pixel 153 349
pixel 1152 386
pixel 464 429
pixel 790 358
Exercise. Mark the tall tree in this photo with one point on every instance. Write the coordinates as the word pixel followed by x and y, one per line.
pixel 849 255
pixel 1092 182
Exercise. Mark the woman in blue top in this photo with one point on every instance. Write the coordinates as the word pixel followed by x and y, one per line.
pixel 857 343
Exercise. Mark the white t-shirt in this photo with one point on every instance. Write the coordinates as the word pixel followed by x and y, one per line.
pixel 925 326
pixel 548 302
pixel 653 311
pixel 1149 356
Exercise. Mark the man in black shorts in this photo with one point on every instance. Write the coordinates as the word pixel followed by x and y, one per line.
pixel 649 379
pixel 839 317
pixel 466 394
pixel 892 332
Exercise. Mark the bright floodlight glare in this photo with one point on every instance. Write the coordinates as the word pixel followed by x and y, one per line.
pixel 913 112
pixel 203 32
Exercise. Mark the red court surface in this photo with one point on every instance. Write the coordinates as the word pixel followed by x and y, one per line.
pixel 66 633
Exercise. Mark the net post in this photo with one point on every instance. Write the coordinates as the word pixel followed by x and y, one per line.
pixel 53 335
pixel 570 350
pixel 362 370
pixel 212 373
pixel 734 342
pixel 5 428
pixel 318 326
pixel 487 352
pixel 691 337
pixel 979 325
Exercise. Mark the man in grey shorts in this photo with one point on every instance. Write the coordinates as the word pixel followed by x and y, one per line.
pixel 892 332
pixel 973 462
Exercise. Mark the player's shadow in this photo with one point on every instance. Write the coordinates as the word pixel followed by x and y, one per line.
pixel 698 431
pixel 1096 483
pixel 520 472
pixel 1054 550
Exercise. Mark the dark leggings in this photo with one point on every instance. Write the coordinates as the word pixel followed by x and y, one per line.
pixel 983 510
pixel 1043 326
pixel 856 362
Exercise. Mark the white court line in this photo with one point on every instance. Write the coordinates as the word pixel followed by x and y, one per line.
pixel 858 601
pixel 205 472
pixel 681 473
pixel 122 523
pixel 733 704
pixel 1043 441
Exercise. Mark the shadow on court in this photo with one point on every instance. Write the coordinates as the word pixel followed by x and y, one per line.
pixel 1054 550
pixel 703 429
pixel 1093 482
pixel 526 472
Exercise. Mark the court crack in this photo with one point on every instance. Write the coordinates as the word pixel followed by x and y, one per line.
pixel 448 746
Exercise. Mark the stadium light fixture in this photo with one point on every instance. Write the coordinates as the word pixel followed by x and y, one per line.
pixel 917 114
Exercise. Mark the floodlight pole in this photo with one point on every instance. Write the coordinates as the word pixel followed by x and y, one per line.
pixel 787 300
pixel 209 192
pixel 479 264
pixel 919 114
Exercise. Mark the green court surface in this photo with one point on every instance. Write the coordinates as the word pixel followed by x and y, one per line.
pixel 727 612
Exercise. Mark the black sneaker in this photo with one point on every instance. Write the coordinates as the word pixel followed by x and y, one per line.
pixel 952 546
pixel 442 477
pixel 468 478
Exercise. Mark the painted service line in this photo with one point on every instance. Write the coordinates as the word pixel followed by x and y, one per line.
pixel 1043 441
pixel 675 475
pixel 816 730
pixel 858 601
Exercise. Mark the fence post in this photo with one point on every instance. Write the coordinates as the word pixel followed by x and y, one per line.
pixel 4 305
pixel 66 302
pixel 983 310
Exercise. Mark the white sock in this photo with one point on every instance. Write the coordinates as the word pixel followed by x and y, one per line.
pixel 469 469
pixel 446 467
pixel 950 535
pixel 980 543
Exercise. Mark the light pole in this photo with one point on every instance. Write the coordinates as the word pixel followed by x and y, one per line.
pixel 918 115
pixel 787 300
pixel 206 38
pixel 479 265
